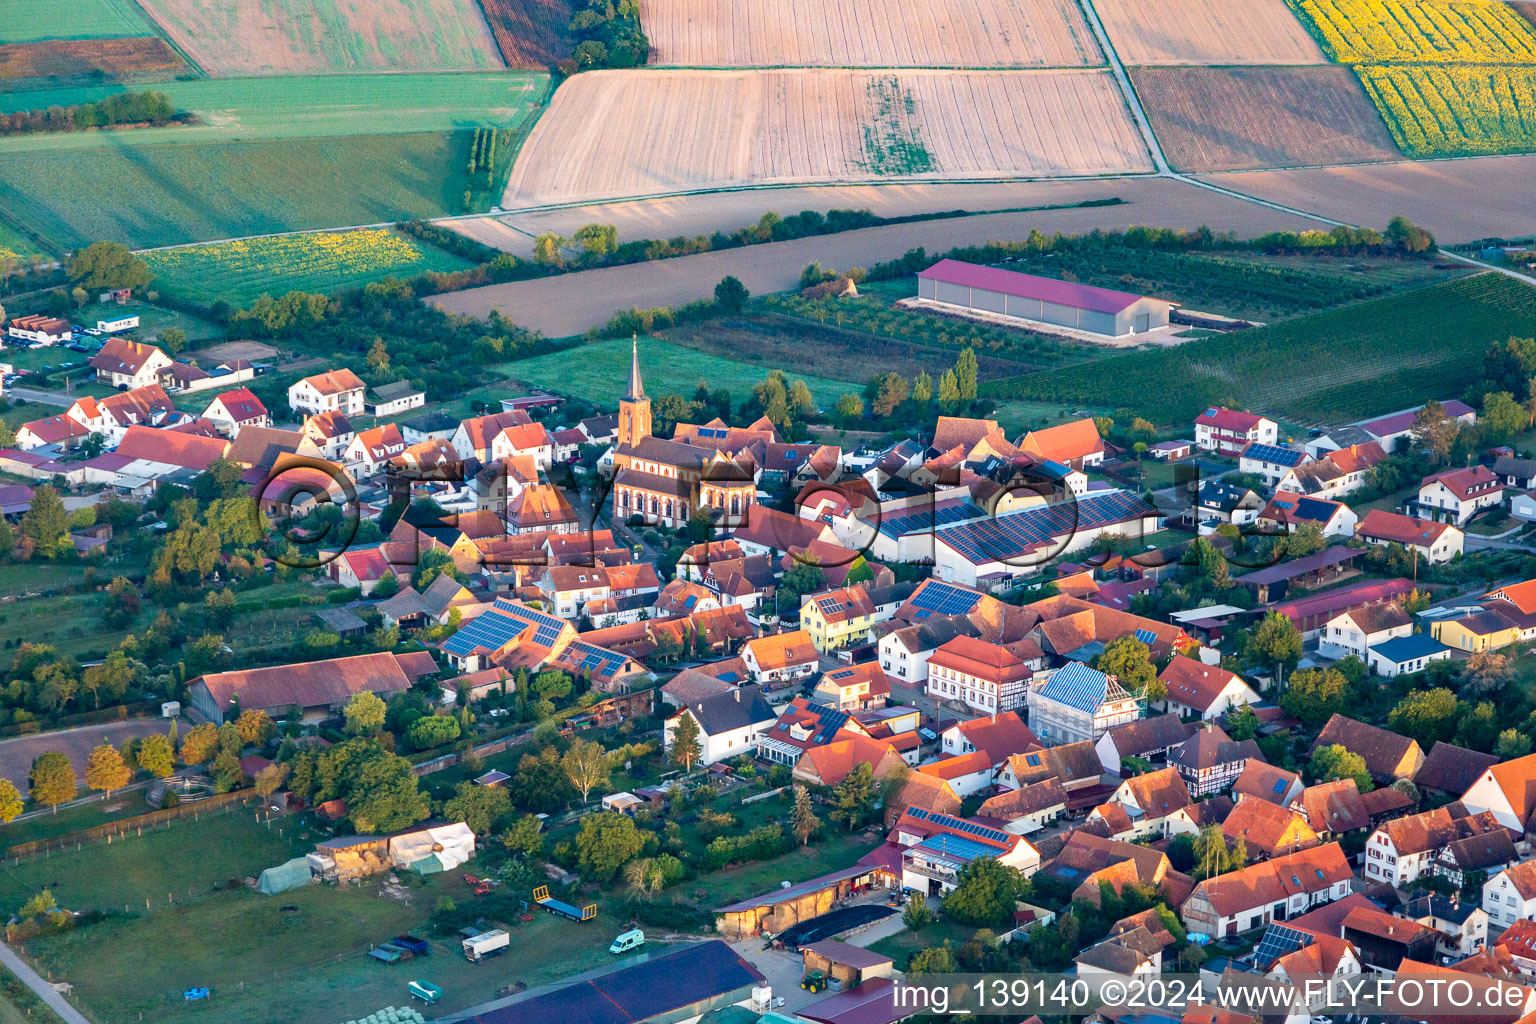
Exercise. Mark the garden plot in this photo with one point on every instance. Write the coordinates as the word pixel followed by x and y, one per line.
pixel 635 133
pixel 1207 32
pixel 869 33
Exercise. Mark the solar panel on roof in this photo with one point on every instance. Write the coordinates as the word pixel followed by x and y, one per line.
pixel 1146 636
pixel 1275 453
pixel 1277 942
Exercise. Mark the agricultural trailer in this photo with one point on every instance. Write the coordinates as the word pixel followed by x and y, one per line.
pixel 542 898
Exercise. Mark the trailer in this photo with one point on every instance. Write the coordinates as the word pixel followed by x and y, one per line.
pixel 410 942
pixel 486 945
pixel 425 991
pixel 542 898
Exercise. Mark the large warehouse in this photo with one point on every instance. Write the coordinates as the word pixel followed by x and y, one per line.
pixel 1042 299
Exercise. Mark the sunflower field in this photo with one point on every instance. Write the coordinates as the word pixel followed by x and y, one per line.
pixel 1456 110
pixel 241 270
pixel 1440 31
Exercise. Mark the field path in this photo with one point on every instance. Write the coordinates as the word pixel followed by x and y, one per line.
pixel 568 304
pixel 34 981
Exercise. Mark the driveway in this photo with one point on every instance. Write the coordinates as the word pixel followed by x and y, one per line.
pixel 18 753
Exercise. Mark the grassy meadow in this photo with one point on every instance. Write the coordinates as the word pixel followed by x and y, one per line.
pixel 302 107
pixel 597 372
pixel 31 21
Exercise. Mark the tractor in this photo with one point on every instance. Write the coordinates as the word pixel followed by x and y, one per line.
pixel 814 982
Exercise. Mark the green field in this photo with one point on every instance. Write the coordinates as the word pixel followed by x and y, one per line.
pixel 1344 364
pixel 170 194
pixel 597 372
pixel 238 272
pixel 299 957
pixel 303 107
pixel 29 21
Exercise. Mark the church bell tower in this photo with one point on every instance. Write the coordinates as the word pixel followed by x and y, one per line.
pixel 634 407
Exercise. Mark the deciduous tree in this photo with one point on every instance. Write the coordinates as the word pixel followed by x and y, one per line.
pixel 157 755
pixel 606 842
pixel 587 765
pixel 11 803
pixel 53 780
pixel 364 713
pixel 105 769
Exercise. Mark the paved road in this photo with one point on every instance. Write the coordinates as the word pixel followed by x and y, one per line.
pixel 34 981
pixel 59 398
pixel 18 753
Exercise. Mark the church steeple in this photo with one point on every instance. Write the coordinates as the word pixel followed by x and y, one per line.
pixel 634 407
pixel 636 390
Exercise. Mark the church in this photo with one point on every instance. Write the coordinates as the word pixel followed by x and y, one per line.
pixel 708 467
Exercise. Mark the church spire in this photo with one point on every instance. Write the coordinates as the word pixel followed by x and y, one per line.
pixel 636 390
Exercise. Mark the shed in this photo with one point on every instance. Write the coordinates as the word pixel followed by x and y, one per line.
pixel 774 911
pixel 1046 300
pixel 847 965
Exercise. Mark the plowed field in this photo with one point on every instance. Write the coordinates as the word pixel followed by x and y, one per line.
pixel 1218 119
pixel 1207 32
pixel 68 58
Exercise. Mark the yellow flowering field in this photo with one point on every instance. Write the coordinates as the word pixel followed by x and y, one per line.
pixel 1456 110
pixel 241 270
pixel 1376 31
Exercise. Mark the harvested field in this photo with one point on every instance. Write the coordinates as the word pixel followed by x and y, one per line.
pixel 128 55
pixel 1461 110
pixel 1218 119
pixel 264 37
pixel 1459 200
pixel 532 34
pixel 635 133
pixel 1207 32
pixel 568 304
pixel 1368 31
pixel 869 33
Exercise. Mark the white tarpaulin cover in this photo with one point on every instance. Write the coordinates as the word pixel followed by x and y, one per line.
pixel 451 844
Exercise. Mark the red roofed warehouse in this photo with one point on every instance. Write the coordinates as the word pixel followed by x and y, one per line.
pixel 1042 299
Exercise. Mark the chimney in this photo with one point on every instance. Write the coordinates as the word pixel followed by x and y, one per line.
pixel 738 695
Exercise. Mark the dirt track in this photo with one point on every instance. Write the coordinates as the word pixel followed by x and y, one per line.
pixel 1459 200
pixel 569 304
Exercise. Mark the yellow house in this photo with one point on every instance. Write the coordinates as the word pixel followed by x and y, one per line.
pixel 838 618
pixel 1482 631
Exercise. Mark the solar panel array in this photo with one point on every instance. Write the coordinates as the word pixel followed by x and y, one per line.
pixel 925 517
pixel 501 625
pixel 960 825
pixel 1278 454
pixel 593 660
pixel 1279 941
pixel 937 598
pixel 830 605
pixel 1019 533
pixel 1146 636
pixel 957 846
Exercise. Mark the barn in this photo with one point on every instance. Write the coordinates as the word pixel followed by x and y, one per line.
pixel 1046 300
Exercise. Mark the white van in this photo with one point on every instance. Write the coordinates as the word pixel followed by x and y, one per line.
pixel 628 941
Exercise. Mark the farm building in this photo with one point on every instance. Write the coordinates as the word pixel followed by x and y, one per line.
pixel 316 687
pixel 778 909
pixel 1042 299
pixel 681 985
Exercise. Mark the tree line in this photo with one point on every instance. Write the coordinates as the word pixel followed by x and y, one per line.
pixel 125 108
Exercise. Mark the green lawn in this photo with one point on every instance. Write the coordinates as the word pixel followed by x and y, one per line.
pixel 70 622
pixel 305 965
pixel 597 372
pixel 238 272
pixel 155 866
pixel 29 21
pixel 171 194
pixel 154 319
pixel 73 819
pixel 904 943
pixel 302 107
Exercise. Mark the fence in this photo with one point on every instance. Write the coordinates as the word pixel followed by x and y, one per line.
pixel 446 761
pixel 135 824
